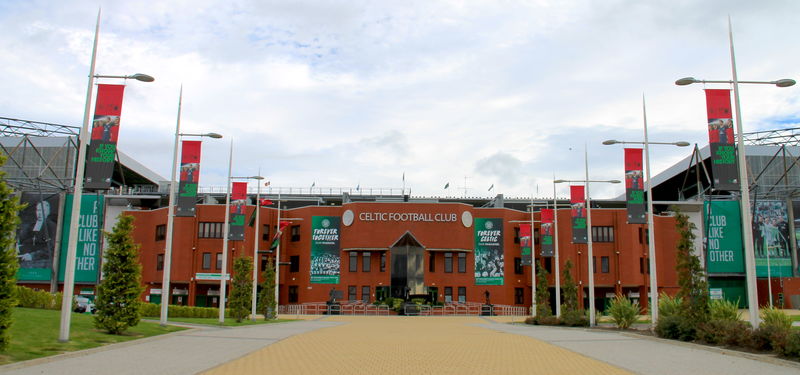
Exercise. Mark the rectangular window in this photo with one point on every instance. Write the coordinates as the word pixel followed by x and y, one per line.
pixel 353 262
pixel 516 235
pixel 603 234
pixel 351 293
pixel 366 262
pixel 462 294
pixel 519 296
pixel 295 263
pixel 604 264
pixel 209 230
pixel 161 232
pixel 383 262
pixel 160 262
pixel 448 262
pixel 293 297
pixel 365 294
pixel 594 264
pixel 432 262
pixel 206 261
pixel 548 264
pixel 462 262
pixel 265 233
pixel 263 263
pixel 644 265
pixel 219 261
pixel 518 266
pixel 295 233
pixel 448 294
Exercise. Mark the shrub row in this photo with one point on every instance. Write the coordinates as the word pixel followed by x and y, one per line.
pixel 38 299
pixel 153 310
pixel 569 318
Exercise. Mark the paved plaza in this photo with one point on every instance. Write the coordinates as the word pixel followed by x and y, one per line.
pixel 403 345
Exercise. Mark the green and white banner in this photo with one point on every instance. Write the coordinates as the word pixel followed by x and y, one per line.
pixel 489 261
pixel 771 239
pixel 723 226
pixel 87 255
pixel 325 259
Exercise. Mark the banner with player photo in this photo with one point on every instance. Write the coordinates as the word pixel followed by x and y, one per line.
pixel 325 259
pixel 577 200
pixel 36 236
pixel 190 175
pixel 771 239
pixel 546 232
pixel 634 186
pixel 489 257
pixel 105 130
pixel 525 244
pixel 724 167
pixel 237 215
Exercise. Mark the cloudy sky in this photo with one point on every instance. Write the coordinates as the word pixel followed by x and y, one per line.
pixel 347 93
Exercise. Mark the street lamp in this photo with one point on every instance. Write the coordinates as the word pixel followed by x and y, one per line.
pixel 590 255
pixel 72 244
pixel 165 294
pixel 747 220
pixel 257 213
pixel 651 244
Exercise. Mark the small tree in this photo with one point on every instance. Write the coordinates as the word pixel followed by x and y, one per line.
pixel 542 292
pixel 691 278
pixel 266 298
pixel 569 289
pixel 9 206
pixel 118 294
pixel 241 288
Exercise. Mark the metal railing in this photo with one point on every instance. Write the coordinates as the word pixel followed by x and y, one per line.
pixel 368 309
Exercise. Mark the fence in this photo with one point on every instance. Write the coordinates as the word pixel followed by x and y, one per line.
pixel 361 308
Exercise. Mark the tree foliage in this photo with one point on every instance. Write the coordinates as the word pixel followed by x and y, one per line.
pixel 9 206
pixel 266 298
pixel 118 294
pixel 691 277
pixel 542 292
pixel 241 298
pixel 569 289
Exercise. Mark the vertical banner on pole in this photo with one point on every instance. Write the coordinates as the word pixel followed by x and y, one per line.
pixel 190 175
pixel 723 237
pixel 105 130
pixel 489 259
pixel 577 200
pixel 720 139
pixel 547 232
pixel 525 244
pixel 90 224
pixel 36 235
pixel 325 259
pixel 634 186
pixel 771 239
pixel 238 202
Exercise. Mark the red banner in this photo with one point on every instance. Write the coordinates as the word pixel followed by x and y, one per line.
pixel 720 139
pixel 190 174
pixel 634 186
pixel 105 131
pixel 238 202
pixel 525 244
pixel 577 199
pixel 546 231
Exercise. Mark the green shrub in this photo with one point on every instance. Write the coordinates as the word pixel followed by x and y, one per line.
pixel 775 317
pixel 791 348
pixel 676 327
pixel 37 299
pixel 623 312
pixel 769 337
pixel 575 318
pixel 150 310
pixel 531 320
pixel 418 301
pixel 725 332
pixel 720 309
pixel 668 305
pixel 548 320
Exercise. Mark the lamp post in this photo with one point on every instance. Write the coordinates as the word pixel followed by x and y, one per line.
pixel 651 244
pixel 165 294
pixel 72 244
pixel 747 220
pixel 555 242
pixel 256 242
pixel 590 255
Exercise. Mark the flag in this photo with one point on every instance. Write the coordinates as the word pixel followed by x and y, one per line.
pixel 358 187
pixel 447 185
pixel 189 176
pixel 491 187
pixel 634 186
pixel 265 202
pixel 724 166
pixel 577 201
pixel 313 184
pixel 266 184
pixel 261 203
pixel 105 131
pixel 276 240
pixel 404 177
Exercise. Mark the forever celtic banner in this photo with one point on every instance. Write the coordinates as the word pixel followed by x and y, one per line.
pixel 525 244
pixel 577 201
pixel 325 258
pixel 105 129
pixel 190 174
pixel 720 140
pixel 238 203
pixel 489 251
pixel 634 193
pixel 546 231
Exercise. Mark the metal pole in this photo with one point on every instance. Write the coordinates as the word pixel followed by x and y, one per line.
pixel 225 233
pixel 747 220
pixel 589 239
pixel 72 244
pixel 651 235
pixel 277 259
pixel 256 241
pixel 170 221
pixel 533 266
pixel 555 240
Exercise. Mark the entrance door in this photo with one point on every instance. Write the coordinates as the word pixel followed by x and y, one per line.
pixel 407 267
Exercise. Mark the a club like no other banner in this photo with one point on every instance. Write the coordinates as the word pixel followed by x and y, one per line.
pixel 546 232
pixel 720 139
pixel 190 175
pixel 325 259
pixel 489 259
pixel 237 215
pixel 577 202
pixel 634 186
pixel 105 130
pixel 525 244
pixel 723 237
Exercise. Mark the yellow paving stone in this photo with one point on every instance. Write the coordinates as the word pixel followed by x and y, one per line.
pixel 412 345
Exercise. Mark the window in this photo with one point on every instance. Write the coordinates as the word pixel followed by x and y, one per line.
pixel 462 262
pixel 518 266
pixel 265 233
pixel 644 236
pixel 295 233
pixel 604 264
pixel 365 293
pixel 293 297
pixel 161 232
pixel 209 230
pixel 383 262
pixel 519 296
pixel 219 261
pixel 516 235
pixel 448 262
pixel 263 262
pixel 160 262
pixel 594 264
pixel 432 262
pixel 548 264
pixel 295 263
pixel 353 262
pixel 366 262
pixel 206 261
pixel 448 294
pixel 462 294
pixel 351 293
pixel 603 234
pixel 644 265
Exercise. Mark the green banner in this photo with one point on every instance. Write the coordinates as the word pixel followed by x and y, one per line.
pixel 325 259
pixel 489 262
pixel 87 255
pixel 771 239
pixel 723 225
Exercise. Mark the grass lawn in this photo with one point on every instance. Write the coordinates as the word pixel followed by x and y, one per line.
pixel 34 334
pixel 229 322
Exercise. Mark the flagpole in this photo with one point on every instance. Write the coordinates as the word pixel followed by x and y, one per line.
pixel 555 240
pixel 590 257
pixel 254 296
pixel 225 233
pixel 278 259
pixel 533 265
pixel 165 283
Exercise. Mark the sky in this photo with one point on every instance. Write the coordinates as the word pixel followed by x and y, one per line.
pixel 386 94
